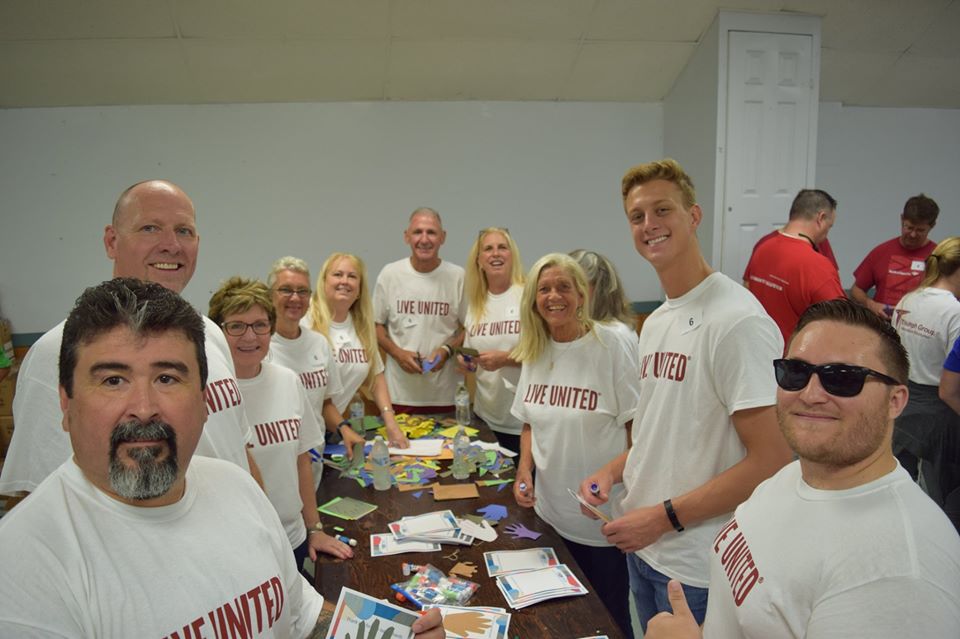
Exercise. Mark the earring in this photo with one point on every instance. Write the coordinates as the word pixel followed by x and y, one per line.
pixel 579 312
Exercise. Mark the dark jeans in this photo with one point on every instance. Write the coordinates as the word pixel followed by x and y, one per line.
pixel 299 556
pixel 606 568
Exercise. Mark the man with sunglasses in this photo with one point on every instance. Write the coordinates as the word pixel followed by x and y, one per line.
pixel 152 237
pixel 840 543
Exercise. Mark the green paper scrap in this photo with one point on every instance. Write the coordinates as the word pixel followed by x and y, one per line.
pixel 482 472
pixel 355 463
pixel 347 508
pixel 494 482
pixel 338 528
pixel 371 423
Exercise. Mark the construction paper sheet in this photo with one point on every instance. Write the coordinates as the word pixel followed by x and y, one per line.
pixel 347 508
pixel 454 491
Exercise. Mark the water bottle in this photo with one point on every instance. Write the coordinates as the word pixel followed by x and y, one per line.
pixel 380 464
pixel 356 414
pixel 462 402
pixel 461 451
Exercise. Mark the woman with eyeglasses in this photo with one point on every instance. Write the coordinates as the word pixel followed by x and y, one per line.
pixel 283 423
pixel 306 352
pixel 342 312
pixel 578 388
pixel 493 284
pixel 927 319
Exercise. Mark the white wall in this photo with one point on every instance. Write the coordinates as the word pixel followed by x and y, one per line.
pixel 308 179
pixel 872 160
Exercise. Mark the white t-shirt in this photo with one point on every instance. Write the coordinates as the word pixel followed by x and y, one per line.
pixel 880 560
pixel 497 330
pixel 310 357
pixel 40 444
pixel 928 322
pixel 421 311
pixel 353 361
pixel 703 356
pixel 81 564
pixel 577 397
pixel 284 427
pixel 629 335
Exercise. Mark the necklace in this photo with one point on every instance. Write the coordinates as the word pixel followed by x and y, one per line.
pixel 556 353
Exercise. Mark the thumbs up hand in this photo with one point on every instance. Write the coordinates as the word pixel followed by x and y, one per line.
pixel 680 624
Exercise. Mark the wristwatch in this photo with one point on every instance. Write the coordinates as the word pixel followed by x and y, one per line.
pixel 317 527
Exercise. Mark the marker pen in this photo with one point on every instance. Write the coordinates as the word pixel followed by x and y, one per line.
pixel 594 488
pixel 523 487
pixel 346 540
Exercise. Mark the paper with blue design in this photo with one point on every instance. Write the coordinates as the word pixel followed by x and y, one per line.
pixel 360 616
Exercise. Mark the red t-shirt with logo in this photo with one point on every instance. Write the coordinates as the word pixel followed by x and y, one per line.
pixel 787 276
pixel 894 270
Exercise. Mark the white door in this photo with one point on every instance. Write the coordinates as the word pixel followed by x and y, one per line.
pixel 770 98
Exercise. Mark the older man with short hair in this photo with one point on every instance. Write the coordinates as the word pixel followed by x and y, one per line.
pixel 134 536
pixel 152 236
pixel 419 313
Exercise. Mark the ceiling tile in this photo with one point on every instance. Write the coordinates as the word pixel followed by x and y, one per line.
pixel 663 20
pixel 848 76
pixel 283 18
pixel 531 19
pixel 286 71
pixel 626 71
pixel 913 80
pixel 65 19
pixel 942 38
pixel 472 69
pixel 871 25
pixel 91 72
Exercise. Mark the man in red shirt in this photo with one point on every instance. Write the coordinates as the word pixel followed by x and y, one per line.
pixel 896 266
pixel 786 272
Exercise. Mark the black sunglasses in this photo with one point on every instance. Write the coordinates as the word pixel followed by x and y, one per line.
pixel 842 380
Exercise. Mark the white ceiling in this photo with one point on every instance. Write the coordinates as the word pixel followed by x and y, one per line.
pixel 903 53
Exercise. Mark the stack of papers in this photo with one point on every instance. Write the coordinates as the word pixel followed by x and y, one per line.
pixel 386 544
pixel 522 589
pixel 502 562
pixel 526 577
pixel 437 527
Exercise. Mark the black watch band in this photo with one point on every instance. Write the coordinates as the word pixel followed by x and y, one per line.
pixel 672 515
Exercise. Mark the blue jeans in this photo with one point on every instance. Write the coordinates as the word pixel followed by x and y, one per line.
pixel 649 588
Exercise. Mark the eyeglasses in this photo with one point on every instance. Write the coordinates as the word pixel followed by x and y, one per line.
pixel 290 292
pixel 237 329
pixel 842 380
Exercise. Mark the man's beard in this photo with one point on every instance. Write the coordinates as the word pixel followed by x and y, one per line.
pixel 147 478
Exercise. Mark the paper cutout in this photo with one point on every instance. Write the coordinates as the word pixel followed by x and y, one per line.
pixel 449 433
pixel 519 531
pixel 454 491
pixel 429 365
pixel 493 511
pixel 464 569
pixel 493 482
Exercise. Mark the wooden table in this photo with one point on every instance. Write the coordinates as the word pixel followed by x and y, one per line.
pixel 568 617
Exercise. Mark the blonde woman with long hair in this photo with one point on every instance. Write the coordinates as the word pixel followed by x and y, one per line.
pixel 927 319
pixel 579 385
pixel 493 284
pixel 341 310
